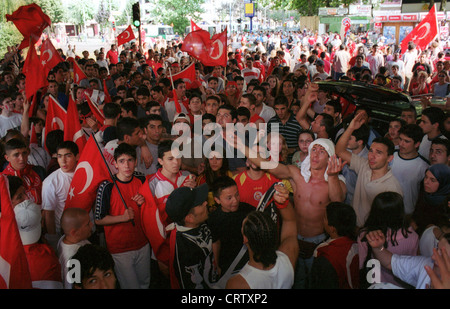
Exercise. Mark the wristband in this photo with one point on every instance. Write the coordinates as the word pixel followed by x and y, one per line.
pixel 281 206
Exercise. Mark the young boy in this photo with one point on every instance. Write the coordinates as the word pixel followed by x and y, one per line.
pixel 226 221
pixel 125 238
pixel 156 191
pixel 56 187
pixel 97 268
pixel 8 119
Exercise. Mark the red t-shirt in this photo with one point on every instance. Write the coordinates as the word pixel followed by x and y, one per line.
pixel 251 191
pixel 112 56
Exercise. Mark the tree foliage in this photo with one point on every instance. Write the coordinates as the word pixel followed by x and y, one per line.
pixel 177 12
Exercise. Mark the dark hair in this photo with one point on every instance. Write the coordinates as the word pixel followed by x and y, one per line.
pixel 442 141
pixel 435 114
pixel 164 147
pixel 125 149
pixel 72 146
pixel 230 108
pixel 243 111
pixel 262 234
pixel 126 126
pixel 53 139
pixel 412 131
pixel 251 97
pixel 14 183
pixel 387 214
pixel 260 88
pixel 130 106
pixel 335 104
pixel 328 123
pixel 362 134
pixel 386 141
pixel 91 258
pixel 343 218
pixel 111 110
pixel 15 143
pixel 281 100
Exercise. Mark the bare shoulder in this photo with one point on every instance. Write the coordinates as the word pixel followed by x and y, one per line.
pixel 237 282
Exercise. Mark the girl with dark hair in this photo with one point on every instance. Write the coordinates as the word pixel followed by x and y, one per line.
pixel 388 215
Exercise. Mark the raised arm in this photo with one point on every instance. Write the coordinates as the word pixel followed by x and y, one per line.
pixel 341 146
pixel 288 236
pixel 336 187
pixel 309 97
pixel 280 171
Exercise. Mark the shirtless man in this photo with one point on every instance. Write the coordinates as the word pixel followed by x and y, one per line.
pixel 315 185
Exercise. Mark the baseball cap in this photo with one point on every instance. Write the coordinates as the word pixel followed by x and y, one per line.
pixel 28 218
pixel 181 116
pixel 183 199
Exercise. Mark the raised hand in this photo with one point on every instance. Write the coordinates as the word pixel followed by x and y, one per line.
pixel 335 165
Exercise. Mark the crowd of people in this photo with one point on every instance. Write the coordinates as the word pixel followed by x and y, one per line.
pixel 309 204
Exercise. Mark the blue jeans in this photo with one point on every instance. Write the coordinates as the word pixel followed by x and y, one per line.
pixel 303 266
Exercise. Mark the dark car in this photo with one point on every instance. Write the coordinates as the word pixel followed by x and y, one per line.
pixel 384 104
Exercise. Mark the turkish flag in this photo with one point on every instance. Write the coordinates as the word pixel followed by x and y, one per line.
pixel 14 270
pixel 423 33
pixel 107 95
pixel 55 119
pixel 78 74
pixel 30 20
pixel 209 51
pixel 91 171
pixel 194 26
pixel 153 226
pixel 72 126
pixel 49 56
pixel 95 110
pixel 126 36
pixel 35 77
pixel 188 75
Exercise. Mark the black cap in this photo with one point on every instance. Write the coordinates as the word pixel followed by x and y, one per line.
pixel 183 199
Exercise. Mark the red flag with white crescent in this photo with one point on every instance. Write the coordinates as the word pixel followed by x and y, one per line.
pixel 55 119
pixel 72 127
pixel 35 77
pixel 14 270
pixel 423 33
pixel 126 36
pixel 49 56
pixel 91 171
pixel 209 51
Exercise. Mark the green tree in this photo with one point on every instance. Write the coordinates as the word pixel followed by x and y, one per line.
pixel 80 11
pixel 177 12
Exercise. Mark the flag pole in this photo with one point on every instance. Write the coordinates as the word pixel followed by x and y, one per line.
pixel 111 175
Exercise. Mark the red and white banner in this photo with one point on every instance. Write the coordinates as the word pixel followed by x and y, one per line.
pixel 14 270
pixel 72 126
pixel 209 51
pixel 91 171
pixel 423 33
pixel 49 56
pixel 126 36
pixel 188 75
pixel 194 26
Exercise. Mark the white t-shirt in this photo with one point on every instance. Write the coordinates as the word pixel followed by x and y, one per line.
pixel 65 253
pixel 55 188
pixel 280 276
pixel 409 174
pixel 12 122
pixel 267 112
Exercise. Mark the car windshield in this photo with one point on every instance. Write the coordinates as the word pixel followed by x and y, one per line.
pixel 165 31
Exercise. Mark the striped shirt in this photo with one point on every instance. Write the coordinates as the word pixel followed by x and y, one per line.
pixel 290 130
